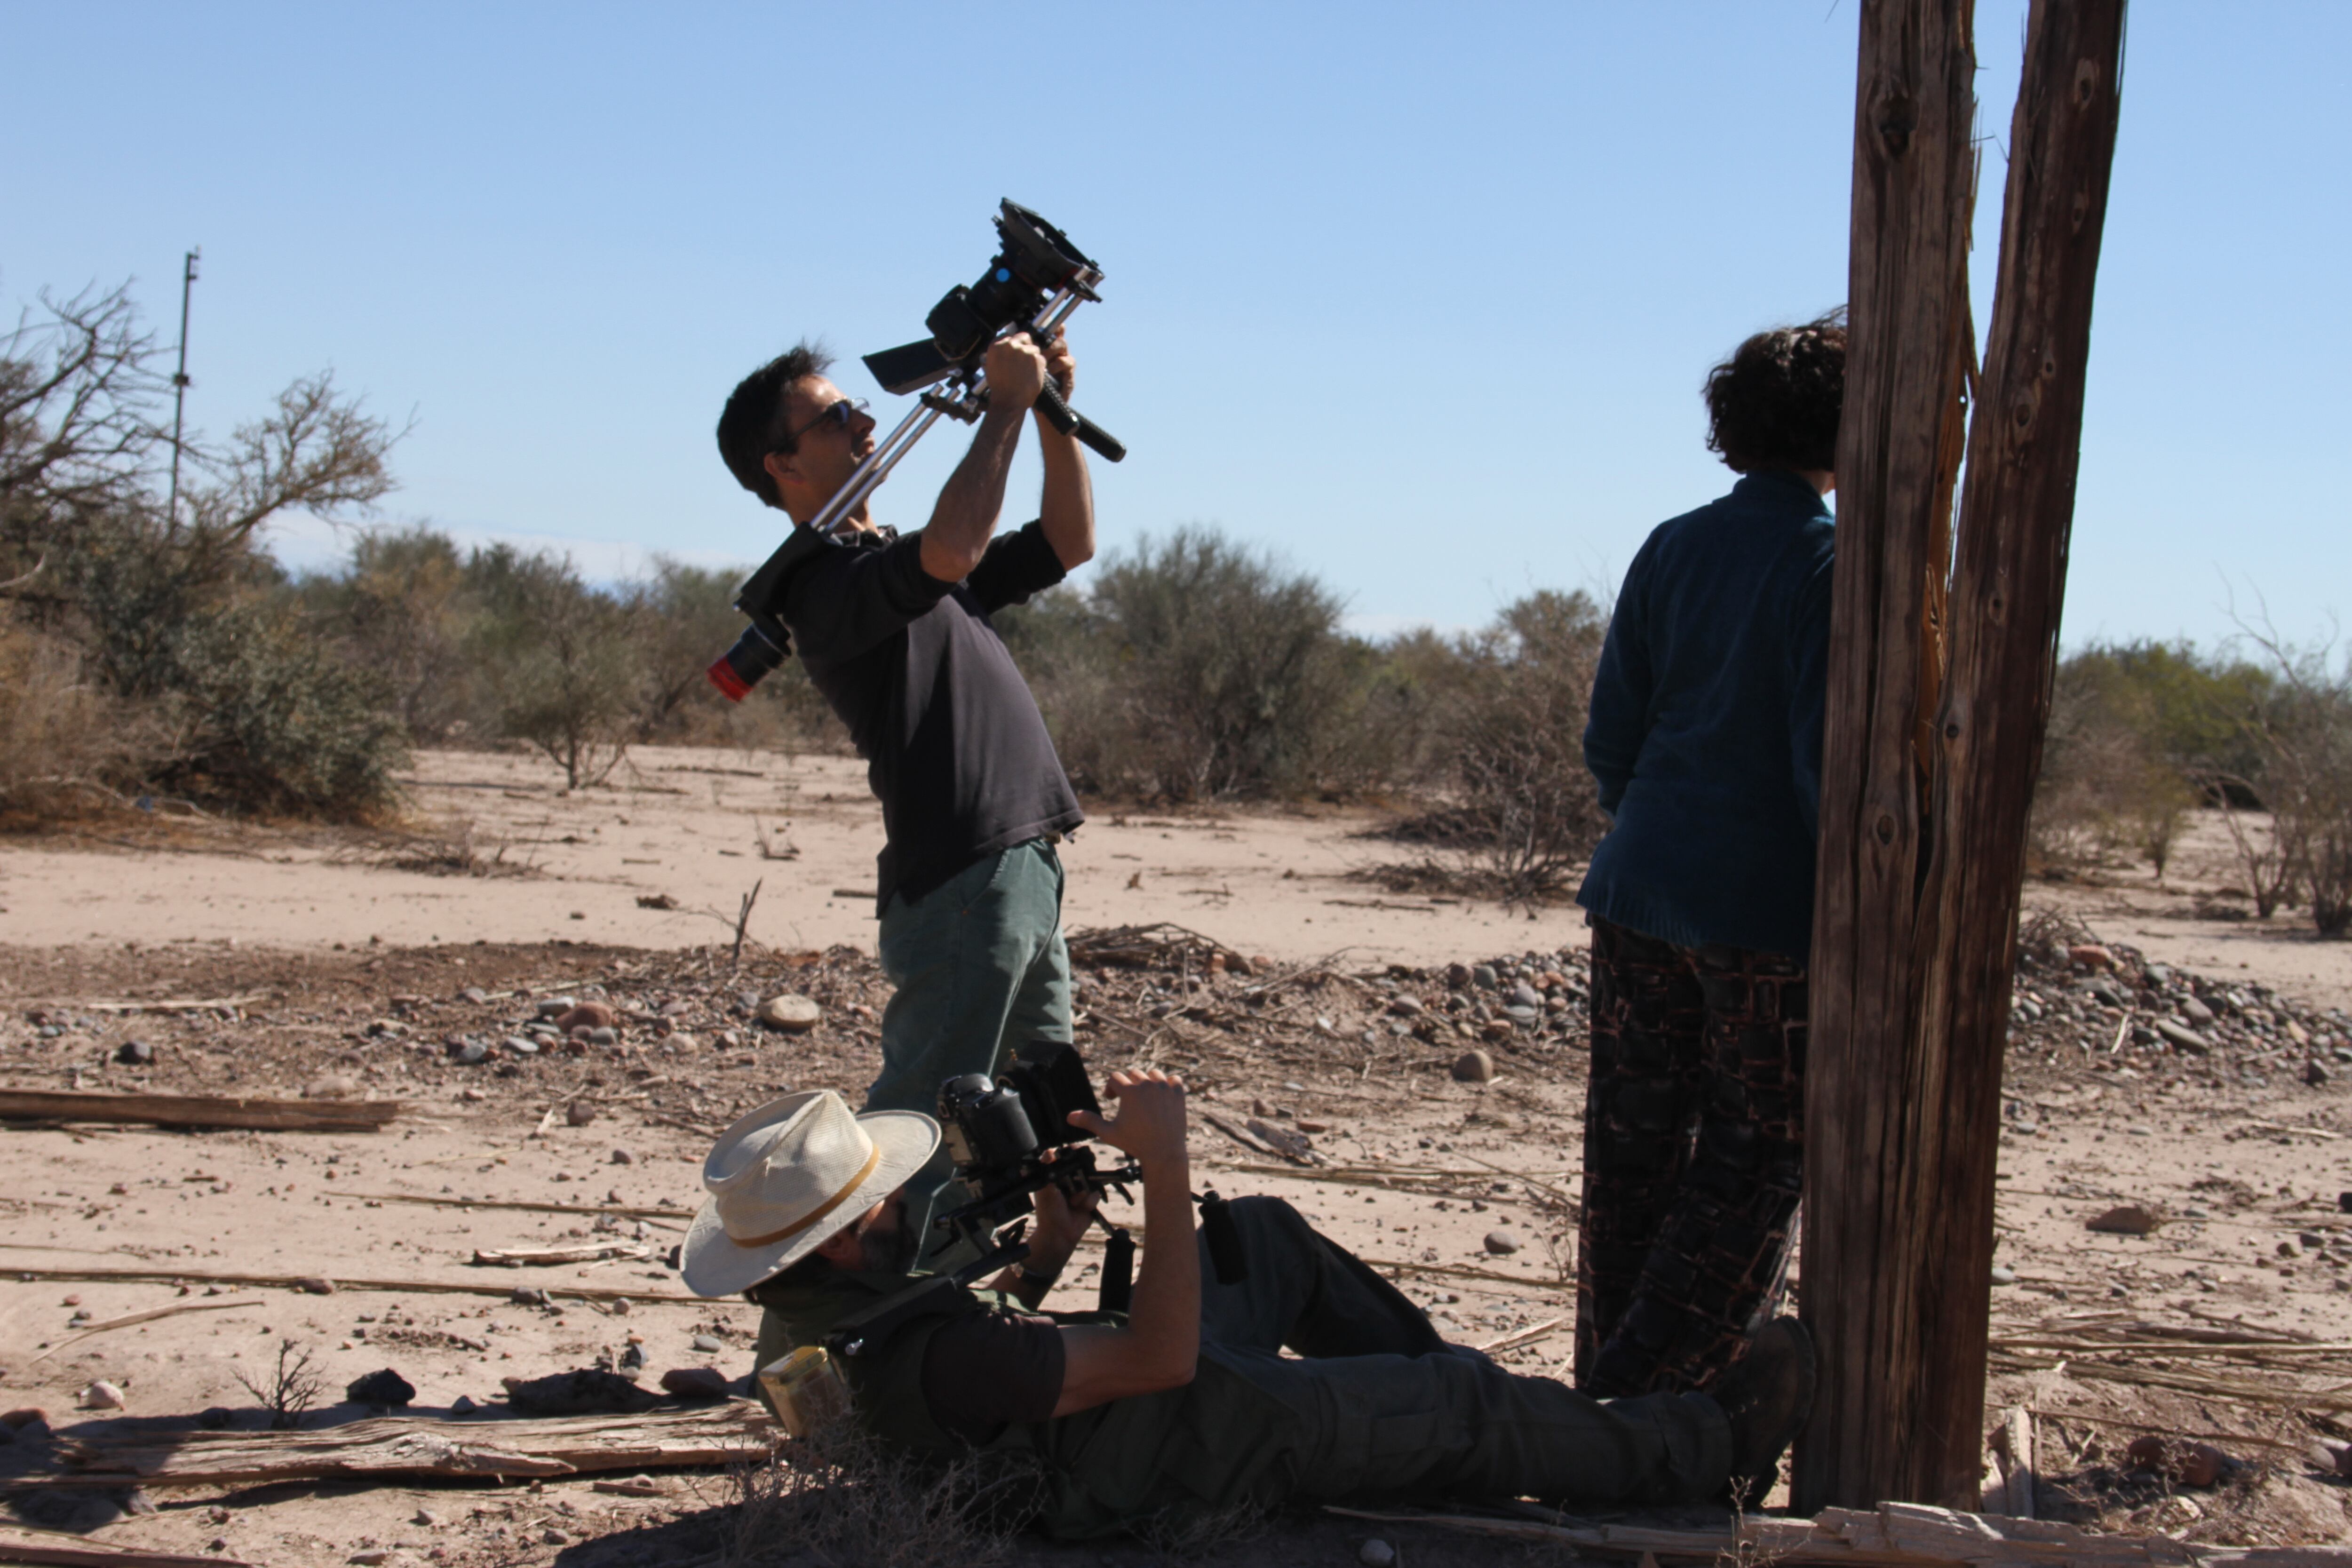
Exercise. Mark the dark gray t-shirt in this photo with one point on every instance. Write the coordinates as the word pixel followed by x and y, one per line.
pixel 955 749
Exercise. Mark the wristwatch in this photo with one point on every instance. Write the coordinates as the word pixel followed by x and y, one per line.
pixel 1035 1277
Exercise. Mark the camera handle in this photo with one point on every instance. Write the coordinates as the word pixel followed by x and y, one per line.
pixel 1070 422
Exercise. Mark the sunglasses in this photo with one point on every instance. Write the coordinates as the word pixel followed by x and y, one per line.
pixel 838 416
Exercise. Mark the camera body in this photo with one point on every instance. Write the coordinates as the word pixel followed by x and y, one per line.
pixel 1034 262
pixel 998 1132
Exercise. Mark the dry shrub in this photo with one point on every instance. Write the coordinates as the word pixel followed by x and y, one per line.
pixel 1195 668
pixel 842 1498
pixel 288 1390
pixel 2303 731
pixel 1516 811
pixel 61 736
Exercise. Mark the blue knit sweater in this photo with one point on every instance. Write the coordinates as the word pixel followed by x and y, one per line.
pixel 1705 728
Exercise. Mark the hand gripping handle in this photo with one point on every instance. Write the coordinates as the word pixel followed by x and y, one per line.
pixel 1070 422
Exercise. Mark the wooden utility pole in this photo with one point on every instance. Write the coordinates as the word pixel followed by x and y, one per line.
pixel 1917 925
pixel 1907 352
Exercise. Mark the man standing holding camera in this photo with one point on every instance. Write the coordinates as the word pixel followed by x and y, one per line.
pixel 895 632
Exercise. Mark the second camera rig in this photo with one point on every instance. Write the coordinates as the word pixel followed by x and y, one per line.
pixel 1034 282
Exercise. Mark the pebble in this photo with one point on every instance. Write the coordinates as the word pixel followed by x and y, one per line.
pixel 2091 955
pixel 332 1086
pixel 556 1006
pixel 794 1014
pixel 1526 995
pixel 2025 1128
pixel 623 1157
pixel 469 1053
pixel 2185 1038
pixel 2159 976
pixel 1457 975
pixel 1502 1243
pixel 709 1344
pixel 578 1113
pixel 462 1405
pixel 373 1555
pixel 2313 1074
pixel 2196 1012
pixel 527 1296
pixel 385 1388
pixel 1376 1554
pixel 694 1383
pixel 315 1285
pixel 1485 974
pixel 603 1036
pixel 2125 1219
pixel 134 1053
pixel 520 1047
pixel 587 1015
pixel 2002 1274
pixel 427 1518
pixel 1474 1067
pixel 102 1395
pixel 475 994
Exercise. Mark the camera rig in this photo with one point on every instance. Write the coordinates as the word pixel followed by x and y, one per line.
pixel 1034 283
pixel 1011 1138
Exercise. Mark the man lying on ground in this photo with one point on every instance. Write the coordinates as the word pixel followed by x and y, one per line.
pixel 1185 1405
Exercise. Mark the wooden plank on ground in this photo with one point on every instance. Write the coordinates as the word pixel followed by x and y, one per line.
pixel 730 1433
pixel 1891 1535
pixel 313 1283
pixel 60 1550
pixel 199 1110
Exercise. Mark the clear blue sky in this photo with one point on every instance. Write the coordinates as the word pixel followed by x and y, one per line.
pixel 1419 296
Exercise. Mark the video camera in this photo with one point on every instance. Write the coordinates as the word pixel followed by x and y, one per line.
pixel 1034 282
pixel 1011 1137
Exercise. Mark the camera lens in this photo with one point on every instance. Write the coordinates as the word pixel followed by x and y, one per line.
pixel 745 664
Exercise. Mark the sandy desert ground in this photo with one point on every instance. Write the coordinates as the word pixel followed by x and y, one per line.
pixel 259 962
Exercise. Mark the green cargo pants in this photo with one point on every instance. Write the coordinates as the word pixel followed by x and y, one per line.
pixel 1370 1405
pixel 980 966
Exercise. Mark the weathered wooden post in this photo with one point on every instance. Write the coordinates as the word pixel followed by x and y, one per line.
pixel 1913 189
pixel 1904 1094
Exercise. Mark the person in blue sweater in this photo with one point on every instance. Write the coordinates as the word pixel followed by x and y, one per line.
pixel 1705 737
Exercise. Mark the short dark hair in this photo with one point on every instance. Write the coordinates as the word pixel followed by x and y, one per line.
pixel 1774 403
pixel 749 429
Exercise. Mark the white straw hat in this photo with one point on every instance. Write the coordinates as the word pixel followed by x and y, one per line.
pixel 786 1177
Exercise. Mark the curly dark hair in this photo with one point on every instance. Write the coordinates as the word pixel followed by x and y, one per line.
pixel 1774 403
pixel 747 427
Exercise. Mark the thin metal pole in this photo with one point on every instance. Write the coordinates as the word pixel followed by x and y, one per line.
pixel 180 379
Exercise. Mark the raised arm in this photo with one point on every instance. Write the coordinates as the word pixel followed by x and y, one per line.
pixel 1160 1345
pixel 957 536
pixel 1066 513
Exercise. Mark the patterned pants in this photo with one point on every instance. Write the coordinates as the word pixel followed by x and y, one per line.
pixel 1694 1155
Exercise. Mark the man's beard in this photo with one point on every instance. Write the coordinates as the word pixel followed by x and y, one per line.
pixel 888 1252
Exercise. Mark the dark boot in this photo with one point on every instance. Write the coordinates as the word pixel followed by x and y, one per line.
pixel 1766 1396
